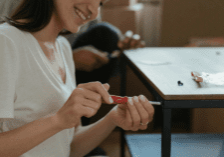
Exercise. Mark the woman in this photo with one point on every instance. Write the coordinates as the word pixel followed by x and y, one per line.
pixel 40 107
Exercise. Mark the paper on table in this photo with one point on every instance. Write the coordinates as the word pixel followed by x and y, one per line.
pixel 216 79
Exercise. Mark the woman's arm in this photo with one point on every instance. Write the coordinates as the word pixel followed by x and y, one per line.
pixel 134 115
pixel 17 142
pixel 88 137
pixel 85 100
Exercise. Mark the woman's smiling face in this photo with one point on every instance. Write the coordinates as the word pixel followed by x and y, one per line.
pixel 71 14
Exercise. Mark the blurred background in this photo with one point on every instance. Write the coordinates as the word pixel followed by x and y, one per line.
pixel 167 23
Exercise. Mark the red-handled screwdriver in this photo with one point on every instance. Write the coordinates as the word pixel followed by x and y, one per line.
pixel 124 100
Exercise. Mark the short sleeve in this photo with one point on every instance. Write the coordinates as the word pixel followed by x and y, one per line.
pixel 8 77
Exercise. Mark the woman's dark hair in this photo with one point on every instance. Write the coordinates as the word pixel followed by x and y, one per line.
pixel 38 13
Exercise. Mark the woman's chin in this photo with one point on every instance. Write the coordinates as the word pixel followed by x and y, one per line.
pixel 75 29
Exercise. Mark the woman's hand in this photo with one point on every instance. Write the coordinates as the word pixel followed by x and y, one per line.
pixel 85 100
pixel 134 116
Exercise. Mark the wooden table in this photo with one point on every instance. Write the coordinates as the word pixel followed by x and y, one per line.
pixel 160 69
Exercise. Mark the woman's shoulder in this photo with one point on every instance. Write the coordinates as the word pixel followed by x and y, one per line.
pixel 64 43
pixel 65 46
pixel 10 31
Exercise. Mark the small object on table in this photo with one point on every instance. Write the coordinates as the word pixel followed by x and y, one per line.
pixel 180 83
pixel 195 76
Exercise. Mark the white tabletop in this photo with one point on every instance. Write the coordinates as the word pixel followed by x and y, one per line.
pixel 164 67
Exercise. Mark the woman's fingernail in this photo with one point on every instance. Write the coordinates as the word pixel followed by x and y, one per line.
pixel 111 100
pixel 130 100
pixel 136 99
pixel 142 98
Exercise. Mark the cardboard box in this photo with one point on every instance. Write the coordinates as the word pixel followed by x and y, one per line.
pixel 125 18
pixel 121 2
pixel 206 42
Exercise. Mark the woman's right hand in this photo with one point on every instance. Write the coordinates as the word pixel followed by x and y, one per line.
pixel 85 100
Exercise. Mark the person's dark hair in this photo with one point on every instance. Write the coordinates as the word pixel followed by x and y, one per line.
pixel 38 13
pixel 103 36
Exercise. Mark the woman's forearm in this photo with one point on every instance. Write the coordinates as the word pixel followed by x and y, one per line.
pixel 88 137
pixel 17 142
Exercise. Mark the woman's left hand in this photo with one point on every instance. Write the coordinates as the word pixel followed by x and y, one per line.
pixel 135 115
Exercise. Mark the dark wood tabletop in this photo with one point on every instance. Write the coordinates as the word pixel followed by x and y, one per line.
pixel 164 67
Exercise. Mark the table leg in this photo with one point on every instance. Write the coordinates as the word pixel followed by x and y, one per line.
pixel 122 143
pixel 166 133
pixel 123 93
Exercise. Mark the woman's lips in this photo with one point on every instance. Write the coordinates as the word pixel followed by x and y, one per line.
pixel 80 14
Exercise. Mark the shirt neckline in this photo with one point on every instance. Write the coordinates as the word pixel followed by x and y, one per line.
pixel 48 62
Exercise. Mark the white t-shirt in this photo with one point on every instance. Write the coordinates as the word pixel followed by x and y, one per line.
pixel 30 89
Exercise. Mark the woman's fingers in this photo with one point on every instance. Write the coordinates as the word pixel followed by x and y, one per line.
pixel 85 100
pixel 142 112
pixel 89 97
pixel 92 104
pixel 87 94
pixel 129 120
pixel 136 119
pixel 100 89
pixel 106 86
pixel 88 100
pixel 148 107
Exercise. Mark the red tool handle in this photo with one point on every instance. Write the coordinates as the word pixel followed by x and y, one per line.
pixel 119 100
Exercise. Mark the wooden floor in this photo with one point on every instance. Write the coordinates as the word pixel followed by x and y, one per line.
pixel 112 145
